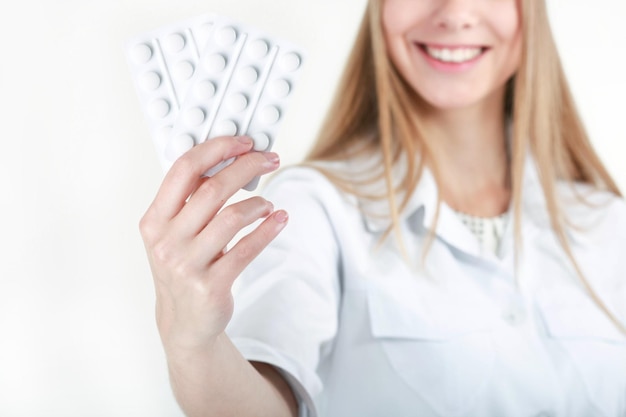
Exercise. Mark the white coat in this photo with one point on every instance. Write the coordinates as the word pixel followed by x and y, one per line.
pixel 358 332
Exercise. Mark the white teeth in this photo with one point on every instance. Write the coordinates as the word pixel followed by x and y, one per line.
pixel 457 55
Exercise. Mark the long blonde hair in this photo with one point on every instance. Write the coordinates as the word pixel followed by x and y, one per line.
pixel 374 110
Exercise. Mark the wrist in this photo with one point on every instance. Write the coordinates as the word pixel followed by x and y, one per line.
pixel 179 348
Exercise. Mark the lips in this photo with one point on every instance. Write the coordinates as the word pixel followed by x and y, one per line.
pixel 453 54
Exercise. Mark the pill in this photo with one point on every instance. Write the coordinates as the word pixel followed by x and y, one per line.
pixel 280 88
pixel 215 63
pixel 183 70
pixel 226 36
pixel 237 102
pixel 258 49
pixel 261 141
pixel 178 146
pixel 175 42
pixel 159 108
pixel 194 117
pixel 204 90
pixel 248 75
pixel 142 53
pixel 269 115
pixel 150 81
pixel 290 61
pixel 225 128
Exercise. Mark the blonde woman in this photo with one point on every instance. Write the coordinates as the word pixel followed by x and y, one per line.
pixel 454 248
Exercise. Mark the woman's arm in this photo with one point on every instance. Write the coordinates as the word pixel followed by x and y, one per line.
pixel 186 231
pixel 220 382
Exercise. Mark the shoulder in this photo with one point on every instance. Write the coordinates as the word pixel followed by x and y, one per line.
pixel 597 233
pixel 310 196
pixel 303 182
pixel 598 242
pixel 297 175
pixel 596 213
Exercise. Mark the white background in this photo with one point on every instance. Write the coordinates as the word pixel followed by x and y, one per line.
pixel 77 170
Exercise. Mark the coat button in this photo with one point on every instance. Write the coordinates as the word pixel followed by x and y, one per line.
pixel 515 316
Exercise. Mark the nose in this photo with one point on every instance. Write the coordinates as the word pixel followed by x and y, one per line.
pixel 455 14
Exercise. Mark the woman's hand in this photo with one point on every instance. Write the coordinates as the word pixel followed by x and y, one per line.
pixel 186 231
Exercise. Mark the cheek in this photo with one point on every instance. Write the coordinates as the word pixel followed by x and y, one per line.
pixel 393 23
pixel 507 26
pixel 516 53
pixel 399 19
pixel 399 16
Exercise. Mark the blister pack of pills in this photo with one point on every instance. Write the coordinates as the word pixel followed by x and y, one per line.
pixel 211 76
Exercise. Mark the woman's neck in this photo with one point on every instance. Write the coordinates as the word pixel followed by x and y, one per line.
pixel 472 159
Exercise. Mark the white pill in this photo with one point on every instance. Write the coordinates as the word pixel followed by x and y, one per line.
pixel 142 53
pixel 215 63
pixel 150 81
pixel 261 141
pixel 225 128
pixel 175 42
pixel 269 115
pixel 280 88
pixel 194 117
pixel 237 102
pixel 204 90
pixel 159 108
pixel 248 75
pixel 290 61
pixel 178 146
pixel 183 70
pixel 226 36
pixel 258 49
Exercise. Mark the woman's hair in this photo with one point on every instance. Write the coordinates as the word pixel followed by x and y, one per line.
pixel 376 112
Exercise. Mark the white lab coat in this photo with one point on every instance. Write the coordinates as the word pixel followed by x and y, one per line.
pixel 357 331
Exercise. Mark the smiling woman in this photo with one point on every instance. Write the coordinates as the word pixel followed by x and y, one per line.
pixel 453 248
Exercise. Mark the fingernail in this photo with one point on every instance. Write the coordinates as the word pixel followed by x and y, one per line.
pixel 244 139
pixel 281 216
pixel 272 157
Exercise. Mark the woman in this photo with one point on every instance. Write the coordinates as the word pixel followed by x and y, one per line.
pixel 454 246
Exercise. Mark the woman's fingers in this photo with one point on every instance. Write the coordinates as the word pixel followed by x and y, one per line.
pixel 187 227
pixel 225 226
pixel 183 177
pixel 231 264
pixel 211 195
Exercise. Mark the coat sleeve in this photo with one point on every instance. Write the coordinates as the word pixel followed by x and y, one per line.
pixel 287 300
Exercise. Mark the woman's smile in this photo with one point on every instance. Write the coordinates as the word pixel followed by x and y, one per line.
pixel 451 58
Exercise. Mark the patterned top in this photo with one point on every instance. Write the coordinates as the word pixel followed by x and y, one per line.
pixel 488 230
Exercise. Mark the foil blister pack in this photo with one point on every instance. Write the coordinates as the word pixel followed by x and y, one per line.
pixel 211 76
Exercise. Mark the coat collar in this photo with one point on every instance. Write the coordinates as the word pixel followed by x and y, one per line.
pixel 419 215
